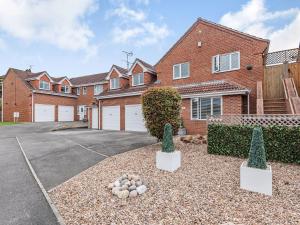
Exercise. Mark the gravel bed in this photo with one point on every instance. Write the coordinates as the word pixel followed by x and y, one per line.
pixel 205 190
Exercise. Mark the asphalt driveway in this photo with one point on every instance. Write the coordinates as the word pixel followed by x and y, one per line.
pixel 55 158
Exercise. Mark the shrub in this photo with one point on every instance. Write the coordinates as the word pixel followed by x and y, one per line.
pixel 167 144
pixel 281 142
pixel 161 105
pixel 257 155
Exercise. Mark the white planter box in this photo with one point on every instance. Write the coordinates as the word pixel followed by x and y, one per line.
pixel 257 180
pixel 168 161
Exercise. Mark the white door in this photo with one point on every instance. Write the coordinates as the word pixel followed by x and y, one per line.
pixel 44 113
pixel 81 112
pixel 111 117
pixel 65 113
pixel 134 119
pixel 95 118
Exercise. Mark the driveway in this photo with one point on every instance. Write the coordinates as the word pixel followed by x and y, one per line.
pixel 55 157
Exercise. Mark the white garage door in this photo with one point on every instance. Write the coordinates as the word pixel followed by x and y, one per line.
pixel 111 118
pixel 44 113
pixel 134 120
pixel 95 117
pixel 65 113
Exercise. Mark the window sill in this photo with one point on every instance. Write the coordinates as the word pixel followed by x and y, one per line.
pixel 225 71
pixel 138 85
pixel 180 78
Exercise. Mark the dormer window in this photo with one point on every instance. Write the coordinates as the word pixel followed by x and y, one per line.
pixel 138 79
pixel 114 83
pixel 44 85
pixel 65 89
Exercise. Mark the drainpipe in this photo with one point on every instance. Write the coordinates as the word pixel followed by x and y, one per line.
pixel 2 103
pixel 32 108
pixel 99 115
pixel 248 102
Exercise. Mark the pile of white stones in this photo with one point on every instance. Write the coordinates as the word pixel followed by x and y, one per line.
pixel 128 186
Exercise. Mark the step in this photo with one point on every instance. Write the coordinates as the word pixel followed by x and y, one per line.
pixel 275 106
pixel 275 112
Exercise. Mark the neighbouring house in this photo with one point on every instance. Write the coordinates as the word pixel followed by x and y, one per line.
pixel 214 68
pixel 1 80
pixel 38 97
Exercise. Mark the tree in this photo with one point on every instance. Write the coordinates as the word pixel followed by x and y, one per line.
pixel 161 105
pixel 167 144
pixel 257 154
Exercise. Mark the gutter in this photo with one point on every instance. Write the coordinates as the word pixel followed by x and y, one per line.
pixel 55 94
pixel 2 103
pixel 211 94
pixel 120 95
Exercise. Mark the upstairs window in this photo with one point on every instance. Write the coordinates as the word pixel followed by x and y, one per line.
pixel 44 85
pixel 226 62
pixel 66 89
pixel 84 90
pixel 202 108
pixel 114 83
pixel 78 91
pixel 181 70
pixel 98 89
pixel 138 79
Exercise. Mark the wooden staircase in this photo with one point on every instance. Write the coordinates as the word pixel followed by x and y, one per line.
pixel 275 106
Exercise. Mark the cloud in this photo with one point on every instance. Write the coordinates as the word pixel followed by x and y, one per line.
pixel 2 44
pixel 254 18
pixel 60 23
pixel 132 26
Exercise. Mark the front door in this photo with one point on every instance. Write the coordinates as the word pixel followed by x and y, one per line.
pixel 81 112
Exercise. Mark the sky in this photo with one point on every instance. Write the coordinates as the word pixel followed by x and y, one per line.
pixel 79 37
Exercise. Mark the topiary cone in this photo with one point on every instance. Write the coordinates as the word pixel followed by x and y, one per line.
pixel 167 144
pixel 257 154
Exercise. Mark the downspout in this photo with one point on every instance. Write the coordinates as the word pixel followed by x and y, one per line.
pixel 248 103
pixel 99 114
pixel 2 103
pixel 32 108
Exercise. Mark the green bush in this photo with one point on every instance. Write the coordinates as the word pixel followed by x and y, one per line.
pixel 168 144
pixel 161 105
pixel 282 143
pixel 257 155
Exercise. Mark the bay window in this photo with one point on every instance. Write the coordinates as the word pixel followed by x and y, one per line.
pixel 202 108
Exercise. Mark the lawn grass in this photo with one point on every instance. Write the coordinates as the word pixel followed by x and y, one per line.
pixel 7 123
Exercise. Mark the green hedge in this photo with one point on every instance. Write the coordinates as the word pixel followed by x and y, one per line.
pixel 281 143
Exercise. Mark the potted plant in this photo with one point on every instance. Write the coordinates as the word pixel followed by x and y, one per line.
pixel 255 174
pixel 181 130
pixel 168 159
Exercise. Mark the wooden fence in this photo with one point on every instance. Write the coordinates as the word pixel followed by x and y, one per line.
pixel 273 87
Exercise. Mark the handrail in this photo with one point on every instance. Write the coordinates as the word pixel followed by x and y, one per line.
pixel 291 95
pixel 260 100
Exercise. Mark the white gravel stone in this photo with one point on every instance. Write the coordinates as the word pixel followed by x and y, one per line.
pixel 117 183
pixel 138 183
pixel 132 187
pixel 141 189
pixel 123 194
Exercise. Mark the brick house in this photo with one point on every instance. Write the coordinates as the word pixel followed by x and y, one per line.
pixel 38 97
pixel 214 68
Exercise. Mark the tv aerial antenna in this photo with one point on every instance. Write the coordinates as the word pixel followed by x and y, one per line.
pixel 128 54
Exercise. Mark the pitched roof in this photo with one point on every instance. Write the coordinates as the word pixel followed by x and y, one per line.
pixel 121 69
pixel 207 22
pixel 58 79
pixel 88 79
pixel 123 91
pixel 147 65
pixel 211 86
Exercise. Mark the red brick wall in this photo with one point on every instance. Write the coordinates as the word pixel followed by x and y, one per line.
pixel 56 100
pixel 122 102
pixel 16 98
pixel 149 78
pixel 87 99
pixel 124 82
pixel 214 41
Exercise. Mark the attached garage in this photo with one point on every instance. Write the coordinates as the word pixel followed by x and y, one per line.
pixel 134 119
pixel 111 117
pixel 65 113
pixel 44 113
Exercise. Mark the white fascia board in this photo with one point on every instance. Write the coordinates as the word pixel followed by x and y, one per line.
pixel 219 93
pixel 90 84
pixel 120 95
pixel 55 94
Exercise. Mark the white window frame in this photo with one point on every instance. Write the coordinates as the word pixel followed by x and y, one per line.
pixel 42 83
pixel 84 90
pixel 198 108
pixel 217 57
pixel 180 75
pixel 97 92
pixel 112 83
pixel 78 90
pixel 139 79
pixel 67 89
